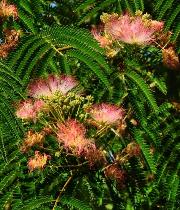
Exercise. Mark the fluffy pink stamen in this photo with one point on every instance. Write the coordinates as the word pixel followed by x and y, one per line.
pixel 28 110
pixel 103 41
pixel 132 30
pixel 47 87
pixel 38 161
pixel 8 10
pixel 72 135
pixel 106 113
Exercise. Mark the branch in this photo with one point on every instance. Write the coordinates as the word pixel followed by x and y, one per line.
pixel 61 191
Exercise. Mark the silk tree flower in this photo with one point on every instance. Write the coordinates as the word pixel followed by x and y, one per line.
pixel 38 161
pixel 115 173
pixel 7 10
pixel 103 40
pixel 72 135
pixel 47 87
pixel 31 139
pixel 132 29
pixel 106 114
pixel 29 109
pixel 170 58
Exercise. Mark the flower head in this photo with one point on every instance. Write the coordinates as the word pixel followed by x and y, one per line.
pixel 7 10
pixel 47 87
pixel 72 135
pixel 170 59
pixel 103 40
pixel 28 109
pixel 114 172
pixel 106 113
pixel 38 161
pixel 11 40
pixel 133 149
pixel 32 139
pixel 132 29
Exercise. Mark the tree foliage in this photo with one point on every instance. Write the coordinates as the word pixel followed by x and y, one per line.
pixel 54 38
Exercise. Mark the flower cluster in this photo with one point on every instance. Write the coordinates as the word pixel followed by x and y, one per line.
pixel 32 138
pixel 38 161
pixel 138 29
pixel 108 114
pixel 103 40
pixel 72 134
pixel 49 86
pixel 65 114
pixel 11 40
pixel 29 109
pixel 170 58
pixel 132 150
pixel 7 10
pixel 115 173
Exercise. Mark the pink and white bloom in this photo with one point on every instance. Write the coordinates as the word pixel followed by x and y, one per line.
pixel 29 109
pixel 72 135
pixel 7 10
pixel 47 87
pixel 106 114
pixel 38 161
pixel 132 29
pixel 103 40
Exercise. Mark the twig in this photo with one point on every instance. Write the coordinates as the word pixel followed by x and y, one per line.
pixel 71 166
pixel 61 191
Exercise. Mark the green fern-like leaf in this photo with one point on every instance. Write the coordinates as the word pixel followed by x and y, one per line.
pixel 73 202
pixel 144 88
pixel 145 150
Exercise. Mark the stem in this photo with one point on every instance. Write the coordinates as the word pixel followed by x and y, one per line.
pixel 72 166
pixel 58 50
pixel 119 135
pixel 61 191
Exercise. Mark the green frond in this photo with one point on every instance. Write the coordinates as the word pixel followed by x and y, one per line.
pixel 166 5
pixel 35 203
pixel 7 180
pixel 3 148
pixel 32 51
pixel 158 4
pixel 65 64
pixel 91 8
pixel 91 64
pixel 77 39
pixel 173 185
pixel 94 11
pixel 39 54
pixel 139 5
pixel 172 17
pixel 144 88
pixel 76 203
pixel 145 150
pixel 84 5
pixel 176 33
pixel 26 6
pixel 21 50
pixel 27 21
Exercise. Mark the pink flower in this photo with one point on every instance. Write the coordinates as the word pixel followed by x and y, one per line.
pixel 72 135
pixel 38 162
pixel 28 110
pixel 8 10
pixel 132 30
pixel 47 87
pixel 106 113
pixel 103 41
pixel 114 172
pixel 157 25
